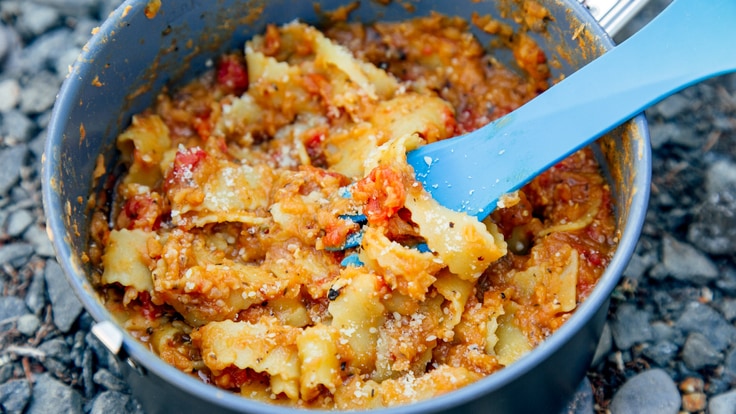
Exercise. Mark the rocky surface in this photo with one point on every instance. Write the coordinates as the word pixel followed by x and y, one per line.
pixel 670 341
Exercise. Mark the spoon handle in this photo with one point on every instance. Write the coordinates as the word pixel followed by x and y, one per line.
pixel 689 41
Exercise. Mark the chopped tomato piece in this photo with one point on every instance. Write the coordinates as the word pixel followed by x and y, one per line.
pixel 383 192
pixel 232 74
pixel 141 211
pixel 148 309
pixel 185 162
pixel 337 233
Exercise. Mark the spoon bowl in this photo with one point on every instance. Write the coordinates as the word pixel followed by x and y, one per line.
pixel 685 44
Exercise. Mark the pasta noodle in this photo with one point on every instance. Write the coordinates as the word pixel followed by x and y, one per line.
pixel 269 236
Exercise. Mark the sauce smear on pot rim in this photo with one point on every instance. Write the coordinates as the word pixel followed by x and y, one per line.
pixel 269 237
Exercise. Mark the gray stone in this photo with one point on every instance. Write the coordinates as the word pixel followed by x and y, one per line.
pixel 9 92
pixel 684 262
pixel 35 19
pixel 698 353
pixel 65 61
pixel 87 374
pixel 729 365
pixel 53 396
pixel 71 7
pixel 83 30
pixel 727 306
pixel 110 402
pixel 4 42
pixel 37 237
pixel 651 392
pixel 639 265
pixel 630 326
pixel 39 93
pixel 16 127
pixel 703 319
pixel 56 348
pixel 661 133
pixel 66 307
pixel 666 133
pixel 582 401
pixel 672 106
pixel 727 282
pixel 662 331
pixel 14 396
pixel 661 352
pixel 36 294
pixel 6 373
pixel 107 380
pixel 723 404
pixel 10 43
pixel 11 159
pixel 713 229
pixel 58 368
pixel 658 272
pixel 28 324
pixel 17 222
pixel 11 308
pixel 721 176
pixel 109 6
pixel 16 254
pixel 605 345
pixel 40 54
pixel 37 144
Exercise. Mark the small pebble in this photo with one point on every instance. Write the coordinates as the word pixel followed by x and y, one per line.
pixel 110 402
pixel 11 160
pixel 684 262
pixel 651 392
pixel 28 324
pixel 699 353
pixel 691 384
pixel 18 222
pixel 37 237
pixel 17 127
pixel 53 396
pixel 36 294
pixel 605 344
pixel 630 326
pixel 55 348
pixel 107 380
pixel 14 395
pixel 35 98
pixel 729 365
pixel 727 306
pixel 692 403
pixel 720 177
pixel 66 307
pixel 672 106
pixel 71 7
pixel 9 90
pixel 35 19
pixel 582 401
pixel 723 404
pixel 11 308
pixel 705 320
pixel 661 352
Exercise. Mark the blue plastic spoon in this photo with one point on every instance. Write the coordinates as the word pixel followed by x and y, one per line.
pixel 691 40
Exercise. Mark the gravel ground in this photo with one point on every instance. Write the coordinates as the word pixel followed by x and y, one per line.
pixel 670 341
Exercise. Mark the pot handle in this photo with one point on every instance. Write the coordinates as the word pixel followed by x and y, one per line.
pixel 111 337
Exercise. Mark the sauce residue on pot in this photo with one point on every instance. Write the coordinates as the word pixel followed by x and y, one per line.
pixel 269 237
pixel 152 8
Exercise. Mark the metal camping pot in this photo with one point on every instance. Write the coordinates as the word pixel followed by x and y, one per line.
pixel 148 44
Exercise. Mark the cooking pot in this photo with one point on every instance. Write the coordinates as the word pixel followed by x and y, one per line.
pixel 146 45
